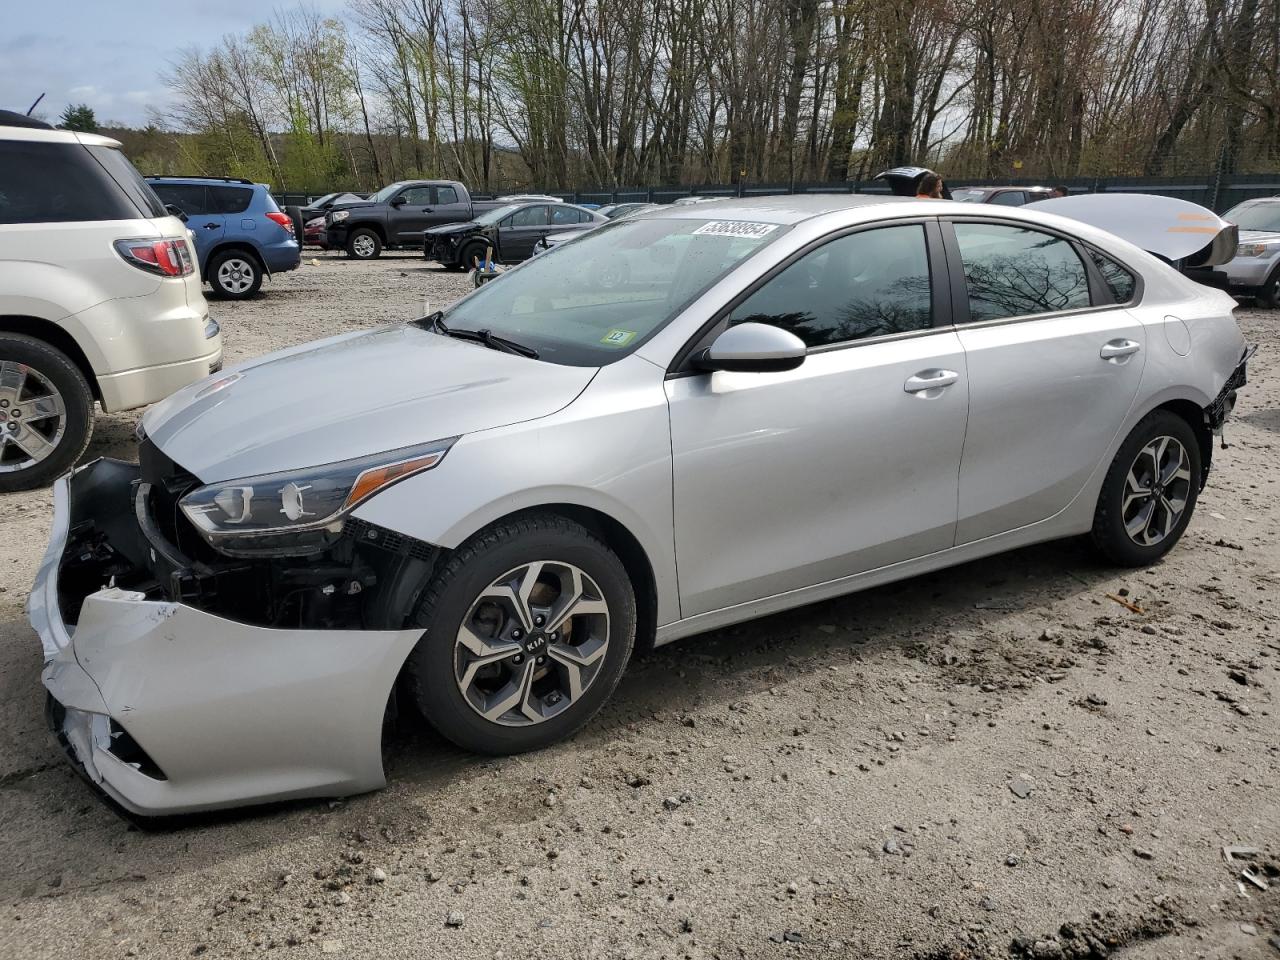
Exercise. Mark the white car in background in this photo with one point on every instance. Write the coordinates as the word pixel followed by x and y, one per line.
pixel 100 298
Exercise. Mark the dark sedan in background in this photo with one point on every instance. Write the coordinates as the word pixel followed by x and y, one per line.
pixel 1002 196
pixel 511 231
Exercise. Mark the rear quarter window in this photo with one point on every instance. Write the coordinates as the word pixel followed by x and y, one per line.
pixel 1119 280
pixel 229 199
pixel 60 183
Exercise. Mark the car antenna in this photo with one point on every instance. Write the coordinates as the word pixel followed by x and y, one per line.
pixel 34 105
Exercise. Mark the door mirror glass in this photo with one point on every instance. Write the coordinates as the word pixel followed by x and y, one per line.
pixel 175 211
pixel 753 348
pixel 397 201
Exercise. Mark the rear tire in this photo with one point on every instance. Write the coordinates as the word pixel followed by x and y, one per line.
pixel 364 244
pixel 1150 491
pixel 537 685
pixel 46 396
pixel 235 275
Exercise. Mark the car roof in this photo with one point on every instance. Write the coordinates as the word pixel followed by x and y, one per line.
pixel 784 209
pixel 38 135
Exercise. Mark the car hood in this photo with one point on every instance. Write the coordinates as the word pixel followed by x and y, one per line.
pixel 466 226
pixel 1259 236
pixel 350 396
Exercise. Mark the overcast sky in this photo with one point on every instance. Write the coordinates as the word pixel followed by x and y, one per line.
pixel 109 53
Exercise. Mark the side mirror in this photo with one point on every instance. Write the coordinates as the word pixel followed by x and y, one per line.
pixel 753 348
pixel 397 202
pixel 175 211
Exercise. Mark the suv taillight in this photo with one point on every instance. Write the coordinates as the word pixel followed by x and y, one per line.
pixel 165 258
pixel 282 219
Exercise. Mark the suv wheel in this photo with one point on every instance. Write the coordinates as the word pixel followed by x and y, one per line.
pixel 235 275
pixel 46 412
pixel 528 628
pixel 1150 491
pixel 364 244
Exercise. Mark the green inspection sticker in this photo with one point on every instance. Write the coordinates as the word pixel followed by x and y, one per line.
pixel 618 338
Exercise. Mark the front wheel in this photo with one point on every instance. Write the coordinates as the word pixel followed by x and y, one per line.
pixel 235 275
pixel 46 413
pixel 1150 491
pixel 364 244
pixel 528 628
pixel 1269 292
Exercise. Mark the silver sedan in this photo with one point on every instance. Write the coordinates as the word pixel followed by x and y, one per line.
pixel 781 401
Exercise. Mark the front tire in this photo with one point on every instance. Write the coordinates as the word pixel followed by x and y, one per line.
pixel 364 244
pixel 1150 491
pixel 235 275
pixel 1269 293
pixel 528 628
pixel 46 413
pixel 470 255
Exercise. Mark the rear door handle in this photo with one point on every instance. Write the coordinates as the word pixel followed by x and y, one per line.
pixel 929 383
pixel 1116 350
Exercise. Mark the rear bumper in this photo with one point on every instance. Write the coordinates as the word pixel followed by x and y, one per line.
pixel 282 257
pixel 169 709
pixel 137 388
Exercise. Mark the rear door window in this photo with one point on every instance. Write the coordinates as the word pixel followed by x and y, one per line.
pixel 1015 272
pixel 1010 198
pixel 561 215
pixel 190 198
pixel 229 199
pixel 446 195
pixel 58 183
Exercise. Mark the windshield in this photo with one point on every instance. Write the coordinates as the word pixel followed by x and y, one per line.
pixel 327 198
pixel 589 302
pixel 385 194
pixel 1254 216
pixel 968 196
pixel 496 214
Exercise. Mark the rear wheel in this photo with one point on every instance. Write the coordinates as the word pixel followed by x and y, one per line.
pixel 235 275
pixel 364 244
pixel 46 413
pixel 1150 491
pixel 528 628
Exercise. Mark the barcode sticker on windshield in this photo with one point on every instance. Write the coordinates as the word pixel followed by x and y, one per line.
pixel 736 228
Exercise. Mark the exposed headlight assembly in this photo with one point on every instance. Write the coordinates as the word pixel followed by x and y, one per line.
pixel 1256 249
pixel 298 512
pixel 339 215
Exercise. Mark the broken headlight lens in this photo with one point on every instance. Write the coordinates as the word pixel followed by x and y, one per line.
pixel 300 511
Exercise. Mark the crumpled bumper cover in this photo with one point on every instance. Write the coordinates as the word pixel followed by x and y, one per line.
pixel 228 713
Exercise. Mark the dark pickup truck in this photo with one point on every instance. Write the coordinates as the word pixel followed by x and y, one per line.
pixel 397 216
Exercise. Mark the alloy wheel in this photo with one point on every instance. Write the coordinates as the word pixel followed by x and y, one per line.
pixel 1156 491
pixel 531 643
pixel 363 246
pixel 236 275
pixel 33 416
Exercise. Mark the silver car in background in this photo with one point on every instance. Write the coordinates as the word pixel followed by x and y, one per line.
pixel 1255 270
pixel 786 400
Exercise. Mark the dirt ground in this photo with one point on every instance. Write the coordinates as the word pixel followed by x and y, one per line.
pixel 998 760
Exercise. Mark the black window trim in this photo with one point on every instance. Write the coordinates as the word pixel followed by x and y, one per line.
pixel 1100 297
pixel 940 294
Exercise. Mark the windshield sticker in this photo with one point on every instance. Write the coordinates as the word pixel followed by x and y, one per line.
pixel 736 228
pixel 618 338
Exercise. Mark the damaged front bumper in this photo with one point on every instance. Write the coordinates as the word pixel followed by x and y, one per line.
pixel 171 709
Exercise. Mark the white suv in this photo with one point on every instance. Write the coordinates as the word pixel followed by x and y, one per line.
pixel 99 296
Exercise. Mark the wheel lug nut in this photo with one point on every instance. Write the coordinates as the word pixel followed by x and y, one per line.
pixel 518 658
pixel 542 660
pixel 516 634
pixel 553 636
pixel 539 620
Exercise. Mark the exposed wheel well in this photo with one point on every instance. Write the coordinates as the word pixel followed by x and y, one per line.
pixel 55 336
pixel 1195 416
pixel 621 541
pixel 368 225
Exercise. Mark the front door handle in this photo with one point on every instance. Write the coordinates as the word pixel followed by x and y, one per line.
pixel 211 226
pixel 1115 351
pixel 929 383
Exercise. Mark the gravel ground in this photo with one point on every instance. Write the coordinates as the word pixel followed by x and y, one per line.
pixel 998 760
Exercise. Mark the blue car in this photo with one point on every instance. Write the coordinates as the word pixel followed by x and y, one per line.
pixel 241 234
